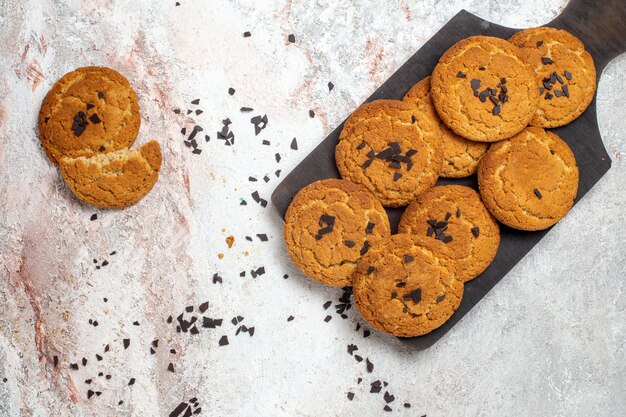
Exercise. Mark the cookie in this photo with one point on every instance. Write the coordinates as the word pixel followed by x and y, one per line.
pixel 565 71
pixel 403 286
pixel 455 216
pixel 329 225
pixel 530 181
pixel 89 110
pixel 391 149
pixel 115 179
pixel 460 156
pixel 483 90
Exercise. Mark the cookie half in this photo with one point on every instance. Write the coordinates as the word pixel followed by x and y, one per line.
pixel 329 225
pixel 460 156
pixel 391 149
pixel 115 179
pixel 484 90
pixel 530 181
pixel 405 287
pixel 455 216
pixel 89 110
pixel 565 71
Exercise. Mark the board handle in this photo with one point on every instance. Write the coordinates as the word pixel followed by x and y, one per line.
pixel 599 24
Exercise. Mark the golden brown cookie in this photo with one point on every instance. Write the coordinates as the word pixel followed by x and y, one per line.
pixel 460 156
pixel 89 110
pixel 115 179
pixel 390 149
pixel 483 90
pixel 329 225
pixel 404 286
pixel 455 216
pixel 529 182
pixel 565 71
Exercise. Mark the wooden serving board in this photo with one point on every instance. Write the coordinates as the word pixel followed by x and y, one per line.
pixel 597 24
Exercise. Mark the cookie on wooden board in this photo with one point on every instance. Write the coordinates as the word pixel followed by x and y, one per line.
pixel 115 179
pixel 565 71
pixel 455 216
pixel 88 110
pixel 484 90
pixel 529 182
pixel 405 287
pixel 391 149
pixel 329 225
pixel 460 156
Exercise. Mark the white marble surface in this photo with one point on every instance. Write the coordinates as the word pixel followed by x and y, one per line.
pixel 547 341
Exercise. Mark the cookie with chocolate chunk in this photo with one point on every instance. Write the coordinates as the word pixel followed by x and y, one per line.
pixel 484 90
pixel 460 156
pixel 405 287
pixel 529 182
pixel 391 149
pixel 455 216
pixel 329 225
pixel 114 179
pixel 89 110
pixel 564 69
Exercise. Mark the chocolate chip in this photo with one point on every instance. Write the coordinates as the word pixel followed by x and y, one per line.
pixel 475 84
pixel 460 75
pixel 365 248
pixel 247 34
pixel 396 176
pixel 100 94
pixel 416 295
pixel 568 75
pixel 294 144
pixel 126 343
pixel 537 193
pixel 566 91
pixel 223 340
pixel 496 110
pixel 94 119
pixel 366 164
pixel 361 145
pixel 291 38
pixel 539 43
pixel 481 68
pixel 408 258
pixel 369 365
pixel 311 113
pixel 370 270
pixel 349 243
pixel 79 124
pixel 369 228
pixel 458 212
pixel 231 91
pixel 440 298
pixel 101 149
pixel 546 61
pixel 401 284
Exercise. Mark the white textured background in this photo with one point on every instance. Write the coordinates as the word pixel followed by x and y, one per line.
pixel 547 341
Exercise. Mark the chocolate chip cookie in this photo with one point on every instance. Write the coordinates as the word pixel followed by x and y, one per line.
pixel 529 182
pixel 460 156
pixel 405 287
pixel 329 226
pixel 564 69
pixel 484 90
pixel 89 110
pixel 391 149
pixel 455 216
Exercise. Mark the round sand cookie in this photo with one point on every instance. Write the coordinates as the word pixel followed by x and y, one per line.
pixel 403 286
pixel 455 215
pixel 329 225
pixel 483 90
pixel 565 71
pixel 529 182
pixel 390 149
pixel 115 179
pixel 460 156
pixel 89 110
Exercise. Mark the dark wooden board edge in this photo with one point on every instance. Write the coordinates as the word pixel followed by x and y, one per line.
pixel 582 135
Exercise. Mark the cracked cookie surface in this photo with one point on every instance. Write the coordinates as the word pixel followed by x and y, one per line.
pixel 456 218
pixel 405 287
pixel 483 90
pixel 391 149
pixel 460 156
pixel 529 182
pixel 564 69
pixel 88 110
pixel 115 179
pixel 329 225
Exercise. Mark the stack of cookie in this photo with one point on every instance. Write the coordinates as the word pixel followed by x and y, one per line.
pixel 483 110
pixel 88 122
